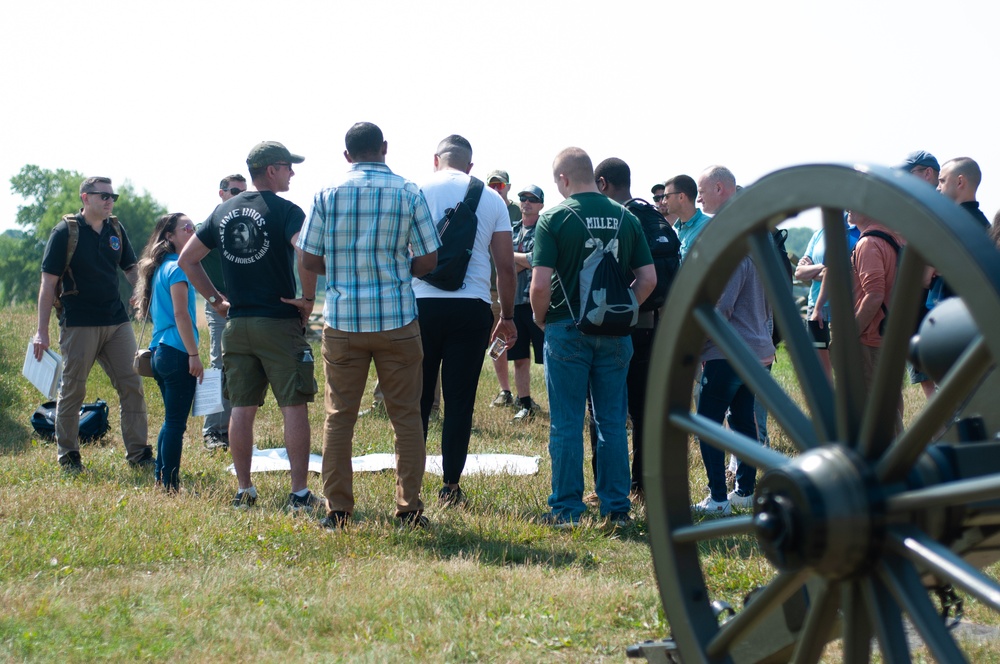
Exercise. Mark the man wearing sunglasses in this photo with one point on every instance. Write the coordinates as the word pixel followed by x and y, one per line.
pixel 264 343
pixel 499 181
pixel 215 432
pixel 81 262
pixel 529 335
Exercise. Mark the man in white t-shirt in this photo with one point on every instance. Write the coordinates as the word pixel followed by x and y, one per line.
pixel 455 326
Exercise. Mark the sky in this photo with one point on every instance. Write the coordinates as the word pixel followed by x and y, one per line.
pixel 171 96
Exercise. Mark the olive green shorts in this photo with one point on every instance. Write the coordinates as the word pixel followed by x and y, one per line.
pixel 257 352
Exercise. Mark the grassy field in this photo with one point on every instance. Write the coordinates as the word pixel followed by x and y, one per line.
pixel 103 566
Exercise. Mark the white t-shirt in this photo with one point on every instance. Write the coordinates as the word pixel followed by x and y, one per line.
pixel 444 190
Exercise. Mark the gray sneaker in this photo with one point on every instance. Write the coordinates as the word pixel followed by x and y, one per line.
pixel 216 441
pixel 502 400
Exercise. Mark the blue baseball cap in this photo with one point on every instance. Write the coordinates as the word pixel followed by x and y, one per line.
pixel 919 158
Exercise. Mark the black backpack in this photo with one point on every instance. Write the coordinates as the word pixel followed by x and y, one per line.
pixel 780 236
pixel 607 305
pixel 663 245
pixel 93 421
pixel 457 230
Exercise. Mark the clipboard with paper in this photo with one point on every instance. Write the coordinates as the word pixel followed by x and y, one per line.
pixel 45 373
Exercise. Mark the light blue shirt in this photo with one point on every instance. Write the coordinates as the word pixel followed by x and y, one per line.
pixel 161 306
pixel 816 251
pixel 688 230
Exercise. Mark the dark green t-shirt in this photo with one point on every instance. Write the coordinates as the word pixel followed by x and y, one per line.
pixel 562 243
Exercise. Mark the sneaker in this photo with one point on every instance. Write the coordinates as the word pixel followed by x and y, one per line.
pixel 619 519
pixel 448 497
pixel 216 441
pixel 245 499
pixel 70 463
pixel 709 506
pixel 504 399
pixel 335 520
pixel 527 412
pixel 558 521
pixel 591 500
pixel 307 503
pixel 737 500
pixel 146 462
pixel 378 408
pixel 412 520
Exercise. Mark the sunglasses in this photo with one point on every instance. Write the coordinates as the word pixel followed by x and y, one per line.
pixel 235 191
pixel 657 198
pixel 189 227
pixel 529 199
pixel 497 185
pixel 103 195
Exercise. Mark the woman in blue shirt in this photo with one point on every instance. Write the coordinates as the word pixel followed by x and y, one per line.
pixel 166 296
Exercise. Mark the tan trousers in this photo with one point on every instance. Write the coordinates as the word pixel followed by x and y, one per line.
pixel 398 356
pixel 113 347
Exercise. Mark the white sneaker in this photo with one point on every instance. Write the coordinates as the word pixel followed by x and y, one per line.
pixel 709 506
pixel 736 500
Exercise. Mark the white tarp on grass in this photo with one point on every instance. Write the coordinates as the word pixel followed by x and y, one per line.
pixel 477 464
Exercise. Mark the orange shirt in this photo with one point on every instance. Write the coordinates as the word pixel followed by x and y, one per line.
pixel 874 264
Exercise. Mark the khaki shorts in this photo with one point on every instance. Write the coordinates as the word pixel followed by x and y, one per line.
pixel 258 352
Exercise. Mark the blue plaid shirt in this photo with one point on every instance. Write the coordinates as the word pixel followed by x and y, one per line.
pixel 365 227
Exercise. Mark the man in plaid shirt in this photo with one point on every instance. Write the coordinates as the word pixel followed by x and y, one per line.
pixel 370 233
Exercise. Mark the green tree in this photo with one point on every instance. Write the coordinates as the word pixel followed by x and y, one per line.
pixel 48 196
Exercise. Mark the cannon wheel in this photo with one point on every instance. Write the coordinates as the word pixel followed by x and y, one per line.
pixel 833 516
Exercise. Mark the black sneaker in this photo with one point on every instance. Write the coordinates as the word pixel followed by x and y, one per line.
pixel 146 462
pixel 307 503
pixel 412 520
pixel 448 497
pixel 70 463
pixel 619 520
pixel 335 520
pixel 245 499
pixel 216 441
pixel 502 400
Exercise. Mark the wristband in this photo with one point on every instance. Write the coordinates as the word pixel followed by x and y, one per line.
pixel 506 318
pixel 308 299
pixel 190 355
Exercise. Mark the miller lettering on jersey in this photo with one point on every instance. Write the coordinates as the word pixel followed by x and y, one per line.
pixel 601 223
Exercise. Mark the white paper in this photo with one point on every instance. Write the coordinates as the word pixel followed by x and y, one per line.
pixel 44 374
pixel 208 394
pixel 276 459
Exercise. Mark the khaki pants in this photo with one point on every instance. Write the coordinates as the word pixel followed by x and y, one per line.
pixel 398 356
pixel 113 347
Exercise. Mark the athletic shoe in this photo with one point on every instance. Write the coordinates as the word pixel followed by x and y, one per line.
pixel 245 499
pixel 70 463
pixel 448 497
pixel 216 441
pixel 619 520
pixel 736 500
pixel 412 520
pixel 146 462
pixel 709 506
pixel 336 520
pixel 307 503
pixel 558 521
pixel 527 412
pixel 378 408
pixel 504 399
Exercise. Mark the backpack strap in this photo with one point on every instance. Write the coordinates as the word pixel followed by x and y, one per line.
pixel 73 226
pixel 891 241
pixel 473 194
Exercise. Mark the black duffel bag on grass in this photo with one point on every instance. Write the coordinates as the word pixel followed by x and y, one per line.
pixel 93 420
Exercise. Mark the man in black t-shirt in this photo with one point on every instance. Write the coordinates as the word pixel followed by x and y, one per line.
pixel 93 322
pixel 264 341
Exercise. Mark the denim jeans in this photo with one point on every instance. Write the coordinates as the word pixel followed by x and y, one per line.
pixel 573 361
pixel 170 369
pixel 721 390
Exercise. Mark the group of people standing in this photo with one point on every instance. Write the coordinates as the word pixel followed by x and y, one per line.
pixel 373 235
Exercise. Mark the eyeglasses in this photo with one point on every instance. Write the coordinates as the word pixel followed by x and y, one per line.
pixel 529 199
pixel 668 194
pixel 235 191
pixel 497 185
pixel 657 198
pixel 104 196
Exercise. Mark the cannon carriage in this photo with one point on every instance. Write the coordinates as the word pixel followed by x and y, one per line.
pixel 865 529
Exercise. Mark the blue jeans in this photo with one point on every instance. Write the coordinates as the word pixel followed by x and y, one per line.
pixel 721 390
pixel 572 362
pixel 170 369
